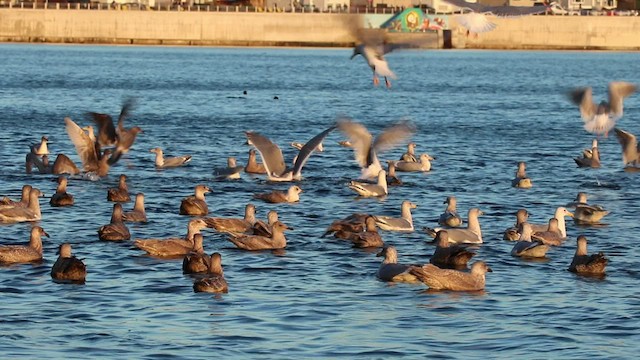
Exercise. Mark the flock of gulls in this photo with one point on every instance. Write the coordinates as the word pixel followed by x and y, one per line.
pixel 99 147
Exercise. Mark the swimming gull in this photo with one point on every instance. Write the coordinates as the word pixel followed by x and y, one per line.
pixel 369 237
pixel 521 180
pixel 450 215
pixel 423 165
pixel 583 263
pixel 67 267
pixel 390 270
pixel 585 213
pixel 447 255
pixel 214 281
pixel 366 148
pixel 256 242
pixel 392 178
pixel 138 214
pixel 41 148
pixel 253 167
pixel 195 204
pixel 472 234
pixel 371 190
pixel 274 161
pixel 173 246
pixel 264 229
pixel 24 199
pixel 234 224
pixel 590 157
pixel 196 261
pixel 292 195
pixel 526 246
pixel 61 197
pixel 116 230
pixel 601 118
pixel 403 223
pixel 552 236
pixel 11 254
pixel 448 279
pixel 232 171
pixel 410 155
pixel 169 162
pixel 121 193
pixel 559 214
pixel 513 233
pixel 21 214
pixel 342 227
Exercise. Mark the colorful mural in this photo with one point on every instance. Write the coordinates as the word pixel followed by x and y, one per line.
pixel 415 20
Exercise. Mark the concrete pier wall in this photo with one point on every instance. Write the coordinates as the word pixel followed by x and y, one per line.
pixel 298 29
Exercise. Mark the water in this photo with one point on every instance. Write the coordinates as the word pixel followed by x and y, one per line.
pixel 477 112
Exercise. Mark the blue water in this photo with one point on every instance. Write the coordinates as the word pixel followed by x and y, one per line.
pixel 479 113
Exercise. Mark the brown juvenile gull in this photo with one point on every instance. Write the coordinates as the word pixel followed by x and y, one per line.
pixel 521 180
pixel 256 242
pixel 342 227
pixel 526 247
pixel 138 214
pixel 214 281
pixel 392 178
pixel 472 234
pixel 369 237
pixel 274 161
pixel 67 267
pixel 590 157
pixel 232 171
pixel 390 270
pixel 172 246
pixel 116 230
pixel 366 148
pixel 234 224
pixel 403 223
pixel 513 233
pixel 630 150
pixel 121 193
pixel 24 199
pixel 371 190
pixel 107 134
pixel 473 15
pixel 447 255
pixel 450 215
pixel 601 118
pixel 196 261
pixel 292 195
pixel 21 214
pixel 169 162
pixel 93 160
pixel 11 254
pixel 253 167
pixel 423 165
pixel 196 204
pixel 264 229
pixel 61 197
pixel 583 263
pixel 447 279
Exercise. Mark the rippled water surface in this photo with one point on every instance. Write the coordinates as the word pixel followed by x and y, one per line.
pixel 478 113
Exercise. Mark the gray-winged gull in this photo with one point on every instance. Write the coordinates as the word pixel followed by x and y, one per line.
pixel 450 215
pixel 601 118
pixel 472 234
pixel 527 247
pixel 390 270
pixel 403 223
pixel 169 162
pixel 138 214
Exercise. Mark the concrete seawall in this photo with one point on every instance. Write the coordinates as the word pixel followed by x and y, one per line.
pixel 298 29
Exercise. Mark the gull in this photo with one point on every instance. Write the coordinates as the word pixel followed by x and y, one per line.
pixel 274 161
pixel 513 233
pixel 343 227
pixel 124 137
pixel 449 256
pixel 62 165
pixel 232 171
pixel 559 214
pixel 472 234
pixel 392 178
pixel 21 214
pixel 67 267
pixel 423 165
pixel 93 160
pixel 292 195
pixel 367 238
pixel 527 247
pixel 366 147
pixel 552 236
pixel 12 254
pixel 173 246
pixel 41 148
pixel 583 263
pixel 169 162
pixel 390 270
pixel 601 118
pixel 61 197
pixel 253 167
pixel 195 204
pixel 107 134
pixel 299 145
pixel 477 22
pixel 234 224
pixel 590 157
pixel 447 279
pixel 264 229
pixel 115 230
pixel 138 214
pixel 585 213
pixel 403 223
pixel 371 190
pixel 121 193
pixel 23 202
pixel 521 180
pixel 630 149
pixel 450 215
pixel 214 281
pixel 276 241
pixel 410 155
pixel 196 261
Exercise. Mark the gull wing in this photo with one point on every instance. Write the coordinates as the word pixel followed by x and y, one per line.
pixel 106 130
pixel 629 145
pixel 360 139
pixel 583 97
pixel 393 136
pixel 124 112
pixel 308 149
pixel 84 146
pixel 473 6
pixel 514 11
pixel 270 153
pixel 617 92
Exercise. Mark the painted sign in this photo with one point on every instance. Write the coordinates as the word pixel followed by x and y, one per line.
pixel 415 20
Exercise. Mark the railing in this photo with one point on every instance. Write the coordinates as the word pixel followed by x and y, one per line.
pixel 216 8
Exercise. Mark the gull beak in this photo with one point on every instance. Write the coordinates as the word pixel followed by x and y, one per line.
pixel 489 269
pixel 45 233
pixel 381 253
pixel 570 214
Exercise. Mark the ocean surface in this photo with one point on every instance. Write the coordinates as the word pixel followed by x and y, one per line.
pixel 478 113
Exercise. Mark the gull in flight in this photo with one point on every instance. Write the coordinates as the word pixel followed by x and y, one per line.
pixel 601 118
